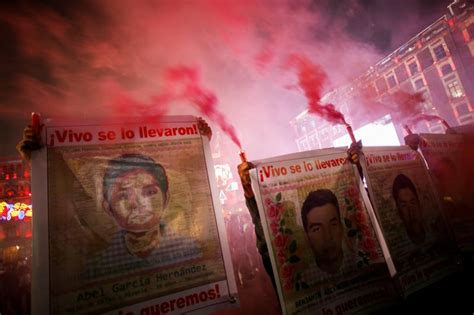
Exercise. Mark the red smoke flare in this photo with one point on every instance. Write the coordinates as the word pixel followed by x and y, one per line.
pixel 311 78
pixel 181 83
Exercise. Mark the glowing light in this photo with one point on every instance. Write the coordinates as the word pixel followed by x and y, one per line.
pixel 451 22
pixel 379 133
pixel 17 211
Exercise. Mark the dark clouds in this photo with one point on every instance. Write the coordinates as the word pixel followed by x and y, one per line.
pixel 386 24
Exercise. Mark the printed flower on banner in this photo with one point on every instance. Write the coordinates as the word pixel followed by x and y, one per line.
pixel 287 270
pixel 275 227
pixel 268 202
pixel 358 228
pixel 274 212
pixel 281 240
pixel 284 243
pixel 281 256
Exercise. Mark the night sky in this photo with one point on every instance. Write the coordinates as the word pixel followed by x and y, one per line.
pixel 72 57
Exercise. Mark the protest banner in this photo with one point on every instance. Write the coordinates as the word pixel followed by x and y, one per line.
pixel 325 253
pixel 127 221
pixel 410 216
pixel 444 155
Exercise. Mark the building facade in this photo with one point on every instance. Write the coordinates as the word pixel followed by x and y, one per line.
pixel 438 63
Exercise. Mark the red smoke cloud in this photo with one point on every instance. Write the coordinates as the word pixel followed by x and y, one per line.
pixel 311 79
pixel 402 106
pixel 406 105
pixel 425 117
pixel 181 84
pixel 73 58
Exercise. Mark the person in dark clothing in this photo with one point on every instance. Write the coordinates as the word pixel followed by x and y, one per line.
pixel 250 201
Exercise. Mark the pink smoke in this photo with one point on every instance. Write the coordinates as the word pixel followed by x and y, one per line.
pixel 406 105
pixel 73 62
pixel 311 78
pixel 427 117
pixel 181 84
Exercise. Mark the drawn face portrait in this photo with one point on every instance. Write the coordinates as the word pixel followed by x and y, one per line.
pixel 136 201
pixel 325 232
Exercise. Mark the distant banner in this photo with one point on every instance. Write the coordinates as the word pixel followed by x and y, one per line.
pixel 126 221
pixel 325 253
pixel 444 154
pixel 410 216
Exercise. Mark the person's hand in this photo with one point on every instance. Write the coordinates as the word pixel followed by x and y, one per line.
pixel 204 128
pixel 413 141
pixel 29 143
pixel 354 151
pixel 244 169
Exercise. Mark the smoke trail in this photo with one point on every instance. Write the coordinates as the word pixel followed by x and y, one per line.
pixel 406 105
pixel 180 84
pixel 425 117
pixel 311 78
pixel 72 58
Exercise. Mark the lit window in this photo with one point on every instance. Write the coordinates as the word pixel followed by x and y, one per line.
pixel 439 52
pixel 413 68
pixel 446 69
pixel 462 109
pixel 303 145
pixel 428 106
pixel 437 129
pixel 465 120
pixel 454 89
pixel 391 81
pixel 419 84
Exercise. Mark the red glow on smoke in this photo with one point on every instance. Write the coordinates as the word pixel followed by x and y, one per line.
pixel 426 117
pixel 407 104
pixel 181 84
pixel 264 58
pixel 311 78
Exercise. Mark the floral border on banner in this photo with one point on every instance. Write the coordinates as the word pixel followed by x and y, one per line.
pixel 359 232
pixel 359 235
pixel 285 243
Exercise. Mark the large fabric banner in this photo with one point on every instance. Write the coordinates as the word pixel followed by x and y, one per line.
pixel 127 222
pixel 325 253
pixel 409 213
pixel 444 154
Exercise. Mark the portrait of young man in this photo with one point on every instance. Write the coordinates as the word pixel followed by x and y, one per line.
pixel 409 209
pixel 321 219
pixel 136 196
